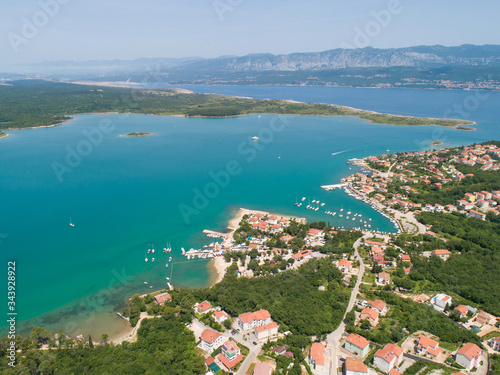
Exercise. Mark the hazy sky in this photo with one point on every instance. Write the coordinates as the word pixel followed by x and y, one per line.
pixel 128 29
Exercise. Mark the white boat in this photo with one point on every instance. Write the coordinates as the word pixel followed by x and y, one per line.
pixel 146 260
pixel 322 204
pixel 152 260
pixel 341 209
pixel 334 214
pixel 303 199
pixel 170 259
pixel 70 223
pixel 316 209
pixel 153 251
pixel 348 212
pixel 145 283
pixel 300 204
pixel 254 138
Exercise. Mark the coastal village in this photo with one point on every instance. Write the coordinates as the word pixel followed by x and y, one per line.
pixel 263 244
pixel 379 272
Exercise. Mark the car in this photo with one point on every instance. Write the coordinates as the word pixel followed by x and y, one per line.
pixel 254 343
pixel 233 332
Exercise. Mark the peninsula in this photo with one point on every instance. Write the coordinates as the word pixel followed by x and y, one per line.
pixel 43 103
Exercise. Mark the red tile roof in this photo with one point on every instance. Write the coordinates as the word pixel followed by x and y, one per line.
pixel 470 350
pixel 427 342
pixel 161 298
pixel 317 353
pixel 370 312
pixel 357 340
pixel 355 364
pixel 266 327
pixel 209 335
pixel 227 363
pixel 204 306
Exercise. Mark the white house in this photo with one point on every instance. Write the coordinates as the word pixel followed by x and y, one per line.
pixel 440 301
pixel 388 358
pixel 266 331
pixel 383 278
pixel 250 320
pixel 344 266
pixel 495 343
pixel 469 356
pixel 210 340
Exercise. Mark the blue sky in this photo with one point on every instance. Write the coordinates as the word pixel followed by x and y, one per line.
pixel 129 29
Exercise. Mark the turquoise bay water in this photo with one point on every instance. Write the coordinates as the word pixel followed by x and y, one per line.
pixel 125 193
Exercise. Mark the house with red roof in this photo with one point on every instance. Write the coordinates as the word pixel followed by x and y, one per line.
pixel 442 253
pixel 344 266
pixel 469 356
pixel 389 357
pixel 483 318
pixel 210 340
pixel 357 345
pixel 404 258
pixel 160 299
pixel 355 366
pixel 303 254
pixel 379 306
pixel 276 228
pixel 477 215
pixel 382 245
pixel 369 314
pixel 462 310
pixel 220 316
pixel 230 355
pixel 315 233
pixel 440 301
pixel 495 343
pixel 266 331
pixel 250 320
pixel 426 345
pixel 287 238
pixel 202 308
pixel 383 278
pixel 272 219
pixel 317 356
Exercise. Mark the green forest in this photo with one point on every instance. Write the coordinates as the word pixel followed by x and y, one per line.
pixel 34 103
pixel 164 346
pixel 472 270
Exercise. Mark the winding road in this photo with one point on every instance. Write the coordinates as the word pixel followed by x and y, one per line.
pixel 334 337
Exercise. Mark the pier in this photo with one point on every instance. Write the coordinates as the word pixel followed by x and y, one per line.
pixel 214 234
pixel 333 187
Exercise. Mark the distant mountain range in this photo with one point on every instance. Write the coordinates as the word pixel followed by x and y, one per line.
pixel 421 57
pixel 466 66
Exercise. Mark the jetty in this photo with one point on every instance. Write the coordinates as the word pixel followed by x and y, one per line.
pixel 214 234
pixel 333 187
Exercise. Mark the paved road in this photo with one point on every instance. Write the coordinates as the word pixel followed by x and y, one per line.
pixel 334 337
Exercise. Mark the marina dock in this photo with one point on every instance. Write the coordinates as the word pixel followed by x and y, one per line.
pixel 214 234
pixel 333 187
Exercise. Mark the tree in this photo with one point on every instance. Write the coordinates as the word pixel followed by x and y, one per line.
pixel 91 344
pixel 104 338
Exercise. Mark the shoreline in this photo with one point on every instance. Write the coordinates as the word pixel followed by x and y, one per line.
pixel 219 265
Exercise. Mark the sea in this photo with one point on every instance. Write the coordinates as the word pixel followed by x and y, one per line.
pixel 125 195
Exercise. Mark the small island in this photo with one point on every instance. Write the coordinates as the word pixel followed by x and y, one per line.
pixel 437 143
pixel 137 134
pixel 3 135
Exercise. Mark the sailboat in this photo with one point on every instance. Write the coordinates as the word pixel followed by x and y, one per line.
pixel 70 223
pixel 170 259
